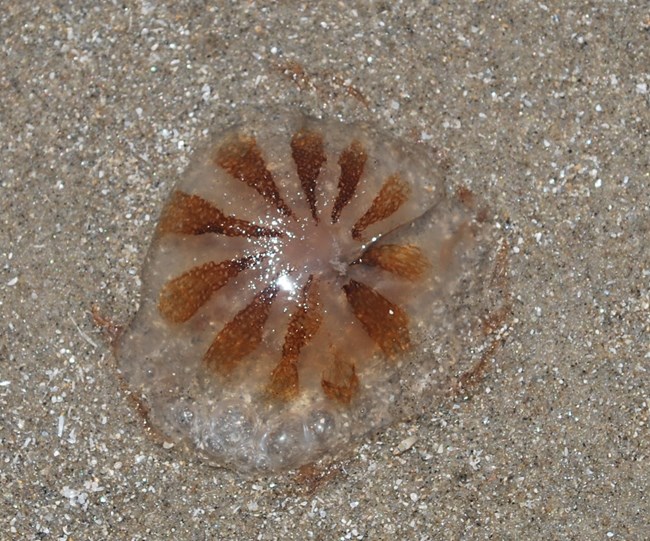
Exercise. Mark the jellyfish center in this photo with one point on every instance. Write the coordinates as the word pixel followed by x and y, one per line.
pixel 310 249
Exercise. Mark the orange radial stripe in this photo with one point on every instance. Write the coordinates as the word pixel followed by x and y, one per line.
pixel 305 321
pixel 284 381
pixel 352 162
pixel 340 382
pixel 304 324
pixel 181 297
pixel 192 215
pixel 243 159
pixel 406 261
pixel 241 335
pixel 385 322
pixel 309 156
pixel 390 198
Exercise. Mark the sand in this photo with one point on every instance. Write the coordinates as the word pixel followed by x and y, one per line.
pixel 543 109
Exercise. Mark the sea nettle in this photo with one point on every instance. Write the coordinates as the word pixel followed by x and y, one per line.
pixel 309 282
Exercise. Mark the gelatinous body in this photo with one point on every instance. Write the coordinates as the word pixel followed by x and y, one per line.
pixel 308 283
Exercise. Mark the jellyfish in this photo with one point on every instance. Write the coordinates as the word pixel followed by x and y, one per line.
pixel 308 283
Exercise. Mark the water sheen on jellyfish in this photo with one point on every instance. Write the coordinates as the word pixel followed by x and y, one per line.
pixel 308 283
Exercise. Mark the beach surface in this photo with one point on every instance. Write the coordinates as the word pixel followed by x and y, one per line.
pixel 544 112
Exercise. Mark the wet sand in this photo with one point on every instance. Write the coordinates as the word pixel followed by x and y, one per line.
pixel 543 110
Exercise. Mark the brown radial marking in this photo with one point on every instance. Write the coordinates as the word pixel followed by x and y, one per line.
pixel 243 159
pixel 385 322
pixel 304 324
pixel 390 198
pixel 192 215
pixel 352 162
pixel 305 321
pixel 405 261
pixel 241 335
pixel 309 157
pixel 182 296
pixel 284 381
pixel 340 382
